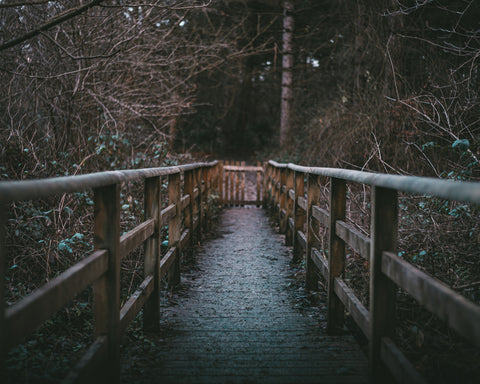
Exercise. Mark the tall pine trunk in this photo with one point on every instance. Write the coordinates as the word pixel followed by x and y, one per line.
pixel 287 72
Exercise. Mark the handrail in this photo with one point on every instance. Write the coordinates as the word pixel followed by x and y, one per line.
pixel 445 189
pixel 186 216
pixel 285 195
pixel 40 188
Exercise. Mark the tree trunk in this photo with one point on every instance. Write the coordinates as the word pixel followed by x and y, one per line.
pixel 287 75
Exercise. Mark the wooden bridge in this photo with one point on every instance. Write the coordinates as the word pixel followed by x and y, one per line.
pixel 287 346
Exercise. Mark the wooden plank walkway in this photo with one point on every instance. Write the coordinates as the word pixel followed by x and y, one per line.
pixel 238 318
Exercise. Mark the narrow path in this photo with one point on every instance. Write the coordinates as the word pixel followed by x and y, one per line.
pixel 240 318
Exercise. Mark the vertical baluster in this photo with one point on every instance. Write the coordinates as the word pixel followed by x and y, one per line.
pixel 200 202
pixel 189 210
pixel 336 256
pixel 206 172
pixel 174 226
pixel 283 201
pixel 384 232
pixel 107 288
pixel 220 182
pixel 298 215
pixel 232 185
pixel 313 197
pixel 242 186
pixel 289 207
pixel 259 185
pixel 152 204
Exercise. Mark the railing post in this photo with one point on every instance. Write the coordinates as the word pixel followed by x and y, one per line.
pixel 198 182
pixel 259 185
pixel 207 180
pixel 313 197
pixel 277 191
pixel 232 185
pixel 289 206
pixel 189 211
pixel 3 256
pixel 174 226
pixel 220 181
pixel 151 312
pixel 298 215
pixel 227 186
pixel 384 232
pixel 242 187
pixel 107 288
pixel 283 201
pixel 266 185
pixel 336 257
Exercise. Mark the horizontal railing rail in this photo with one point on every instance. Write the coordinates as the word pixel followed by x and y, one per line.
pixel 293 192
pixel 186 217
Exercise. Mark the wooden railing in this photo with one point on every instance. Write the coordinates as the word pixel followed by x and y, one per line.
pixel 294 193
pixel 185 215
pixel 235 186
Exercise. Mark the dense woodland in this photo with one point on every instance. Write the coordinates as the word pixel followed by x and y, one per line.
pixel 387 85
pixel 384 85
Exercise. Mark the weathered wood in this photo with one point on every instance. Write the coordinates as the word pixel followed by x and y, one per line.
pixel 320 262
pixel 168 213
pixel 200 206
pixel 226 199
pixel 444 189
pixel 151 313
pixel 354 238
pixel 313 196
pixel 107 287
pixel 188 187
pixel 92 362
pixel 185 202
pixel 321 215
pixel 220 181
pixel 458 312
pixel 243 168
pixel 301 240
pixel 185 238
pixel 302 203
pixel 298 215
pixel 283 201
pixel 384 230
pixel 259 183
pixel 232 188
pixel 174 226
pixel 336 256
pixel 242 186
pixel 25 316
pixel 135 302
pixel 37 189
pixel 291 224
pixel 167 261
pixel 353 305
pixel 134 238
pixel 291 191
pixel 289 206
pixel 402 370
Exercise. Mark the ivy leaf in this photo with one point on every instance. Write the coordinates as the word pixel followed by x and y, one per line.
pixel 461 144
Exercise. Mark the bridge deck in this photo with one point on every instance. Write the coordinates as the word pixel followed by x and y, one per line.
pixel 241 318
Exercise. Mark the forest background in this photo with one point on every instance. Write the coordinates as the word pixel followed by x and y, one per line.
pixel 385 85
